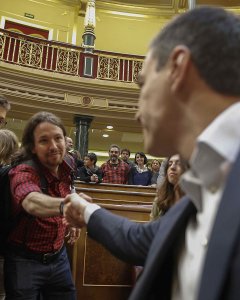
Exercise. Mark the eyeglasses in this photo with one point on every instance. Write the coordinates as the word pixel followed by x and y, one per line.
pixel 3 122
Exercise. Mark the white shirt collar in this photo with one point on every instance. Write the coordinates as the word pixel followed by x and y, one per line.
pixel 217 147
pixel 223 134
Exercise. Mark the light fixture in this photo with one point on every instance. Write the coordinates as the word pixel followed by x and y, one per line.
pixel 109 127
pixel 126 14
pixel 105 135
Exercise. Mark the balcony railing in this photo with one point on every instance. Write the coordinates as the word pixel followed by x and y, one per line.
pixel 68 59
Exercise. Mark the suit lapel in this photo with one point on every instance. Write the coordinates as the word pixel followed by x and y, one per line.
pixel 224 234
pixel 171 226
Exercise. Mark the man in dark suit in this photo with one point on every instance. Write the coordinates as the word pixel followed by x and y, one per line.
pixel 189 104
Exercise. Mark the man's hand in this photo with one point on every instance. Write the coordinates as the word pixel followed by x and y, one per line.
pixel 73 235
pixel 74 209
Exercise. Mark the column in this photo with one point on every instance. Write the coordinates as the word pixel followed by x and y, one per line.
pixel 191 4
pixel 82 127
pixel 89 27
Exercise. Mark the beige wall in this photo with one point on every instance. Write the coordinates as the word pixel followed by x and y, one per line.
pixel 53 16
pixel 125 34
pixel 113 33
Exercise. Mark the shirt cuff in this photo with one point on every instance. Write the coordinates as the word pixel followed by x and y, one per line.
pixel 89 210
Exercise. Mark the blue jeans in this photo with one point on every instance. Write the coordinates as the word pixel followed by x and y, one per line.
pixel 29 279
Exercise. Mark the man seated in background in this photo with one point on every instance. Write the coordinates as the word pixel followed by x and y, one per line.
pixel 90 172
pixel 188 104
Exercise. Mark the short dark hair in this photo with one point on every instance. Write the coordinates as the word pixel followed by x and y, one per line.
pixel 213 37
pixel 92 156
pixel 25 152
pixel 156 160
pixel 114 146
pixel 141 155
pixel 126 150
pixel 4 103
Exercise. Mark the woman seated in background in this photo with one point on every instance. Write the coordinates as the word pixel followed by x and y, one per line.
pixel 169 192
pixel 90 172
pixel 140 174
pixel 155 166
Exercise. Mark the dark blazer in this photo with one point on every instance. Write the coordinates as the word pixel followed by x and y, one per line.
pixel 85 174
pixel 154 245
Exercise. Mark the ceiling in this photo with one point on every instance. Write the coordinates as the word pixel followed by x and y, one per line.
pixel 172 5
pixel 162 3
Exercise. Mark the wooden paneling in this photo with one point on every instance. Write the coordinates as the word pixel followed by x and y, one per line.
pixel 120 187
pixel 97 274
pixel 117 194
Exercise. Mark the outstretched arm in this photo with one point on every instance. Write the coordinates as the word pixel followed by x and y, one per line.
pixel 127 240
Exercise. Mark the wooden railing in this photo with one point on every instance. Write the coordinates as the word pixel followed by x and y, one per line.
pixel 115 187
pixel 117 194
pixel 68 59
pixel 97 274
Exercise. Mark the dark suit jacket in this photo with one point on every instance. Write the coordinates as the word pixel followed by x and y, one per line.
pixel 154 245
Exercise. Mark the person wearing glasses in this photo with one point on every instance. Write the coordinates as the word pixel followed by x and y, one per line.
pixel 4 108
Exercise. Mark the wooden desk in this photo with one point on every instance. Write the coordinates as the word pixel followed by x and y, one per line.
pixel 97 274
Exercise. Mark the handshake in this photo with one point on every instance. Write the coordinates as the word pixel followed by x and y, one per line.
pixel 74 206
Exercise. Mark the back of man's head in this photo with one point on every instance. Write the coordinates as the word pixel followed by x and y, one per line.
pixel 213 37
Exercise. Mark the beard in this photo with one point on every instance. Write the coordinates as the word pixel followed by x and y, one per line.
pixel 114 159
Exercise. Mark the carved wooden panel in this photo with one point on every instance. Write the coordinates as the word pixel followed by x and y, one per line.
pixel 110 272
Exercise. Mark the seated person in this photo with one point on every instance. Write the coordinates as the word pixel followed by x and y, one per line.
pixel 90 172
pixel 140 174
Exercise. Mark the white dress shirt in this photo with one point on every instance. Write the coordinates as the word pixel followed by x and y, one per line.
pixel 216 150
